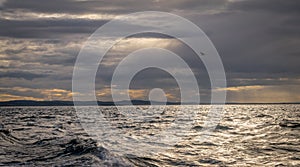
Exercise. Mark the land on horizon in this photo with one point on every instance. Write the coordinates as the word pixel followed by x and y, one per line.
pixel 106 103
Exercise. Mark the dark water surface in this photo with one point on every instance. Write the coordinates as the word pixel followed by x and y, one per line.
pixel 248 135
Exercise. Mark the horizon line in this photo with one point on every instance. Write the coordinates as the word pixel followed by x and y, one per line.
pixel 123 102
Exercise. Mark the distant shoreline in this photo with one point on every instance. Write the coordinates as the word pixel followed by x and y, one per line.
pixel 109 103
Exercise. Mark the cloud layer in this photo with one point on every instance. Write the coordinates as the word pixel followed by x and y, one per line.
pixel 257 40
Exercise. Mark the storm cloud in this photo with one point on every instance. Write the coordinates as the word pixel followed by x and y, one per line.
pixel 258 41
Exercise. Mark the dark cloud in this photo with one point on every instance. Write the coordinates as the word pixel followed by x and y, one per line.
pixel 55 6
pixel 48 28
pixel 114 6
pixel 274 6
pixel 57 60
pixel 21 74
pixel 253 42
pixel 258 41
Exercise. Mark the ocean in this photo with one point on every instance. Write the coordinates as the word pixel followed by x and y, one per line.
pixel 247 135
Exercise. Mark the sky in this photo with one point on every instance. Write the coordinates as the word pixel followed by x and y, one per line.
pixel 257 40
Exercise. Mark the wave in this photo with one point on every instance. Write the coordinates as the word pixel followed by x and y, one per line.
pixel 54 151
